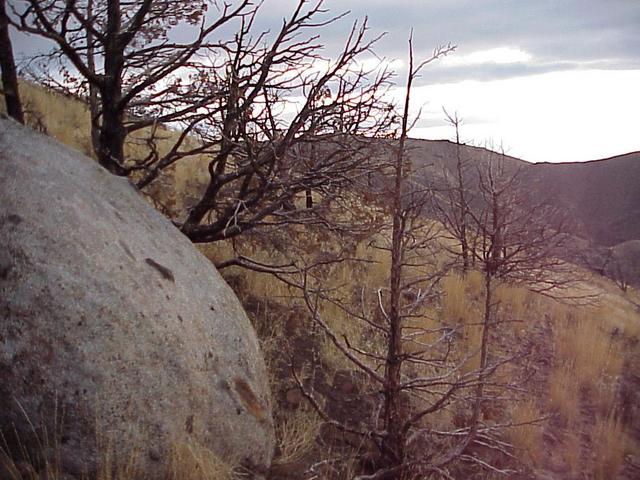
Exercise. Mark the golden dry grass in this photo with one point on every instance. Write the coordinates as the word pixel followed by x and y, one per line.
pixel 572 451
pixel 116 458
pixel 517 300
pixel 189 460
pixel 610 447
pixel 563 389
pixel 296 435
pixel 526 436
pixel 475 283
pixel 455 306
pixel 62 117
pixel 584 343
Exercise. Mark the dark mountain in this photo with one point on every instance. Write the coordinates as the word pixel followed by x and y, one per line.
pixel 600 197
pixel 603 196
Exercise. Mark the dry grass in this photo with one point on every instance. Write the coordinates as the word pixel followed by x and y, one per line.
pixel 526 436
pixel 44 451
pixel 190 461
pixel 62 117
pixel 516 308
pixel 583 343
pixel 572 451
pixel 606 395
pixel 563 389
pixel 590 345
pixel 462 306
pixel 422 332
pixel 610 447
pixel 296 435
pixel 455 306
pixel 475 283
pixel 470 347
pixel 117 459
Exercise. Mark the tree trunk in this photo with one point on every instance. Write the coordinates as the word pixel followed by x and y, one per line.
pixel 112 132
pixel 463 203
pixel 8 66
pixel 394 416
pixel 484 348
pixel 309 198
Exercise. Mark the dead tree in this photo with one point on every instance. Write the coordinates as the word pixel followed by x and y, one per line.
pixel 8 67
pixel 245 104
pixel 452 200
pixel 123 52
pixel 521 239
pixel 520 242
pixel 262 159
pixel 414 366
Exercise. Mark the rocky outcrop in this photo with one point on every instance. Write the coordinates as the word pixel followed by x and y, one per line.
pixel 114 329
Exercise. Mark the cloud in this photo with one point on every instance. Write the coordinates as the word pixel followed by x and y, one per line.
pixel 549 33
pixel 557 116
pixel 499 56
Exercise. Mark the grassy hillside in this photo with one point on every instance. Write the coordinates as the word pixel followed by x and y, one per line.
pixel 569 403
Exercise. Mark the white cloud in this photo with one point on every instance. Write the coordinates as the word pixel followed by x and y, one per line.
pixel 497 56
pixel 560 116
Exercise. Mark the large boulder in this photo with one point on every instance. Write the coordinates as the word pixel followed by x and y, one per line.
pixel 115 332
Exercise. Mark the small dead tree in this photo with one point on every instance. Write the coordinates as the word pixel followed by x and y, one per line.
pixel 520 242
pixel 452 200
pixel 520 239
pixel 8 67
pixel 414 367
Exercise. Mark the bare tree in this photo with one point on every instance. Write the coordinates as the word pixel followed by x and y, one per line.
pixel 272 116
pixel 124 53
pixel 452 200
pixel 262 159
pixel 521 239
pixel 519 242
pixel 8 67
pixel 415 368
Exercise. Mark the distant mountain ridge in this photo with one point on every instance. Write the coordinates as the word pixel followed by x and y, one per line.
pixel 602 196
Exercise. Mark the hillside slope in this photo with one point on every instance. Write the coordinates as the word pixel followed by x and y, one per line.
pixel 603 195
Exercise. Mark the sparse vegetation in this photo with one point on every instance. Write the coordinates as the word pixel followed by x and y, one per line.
pixel 610 446
pixel 190 461
pixel 526 434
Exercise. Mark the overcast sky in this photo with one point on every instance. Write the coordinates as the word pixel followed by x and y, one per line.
pixel 549 80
